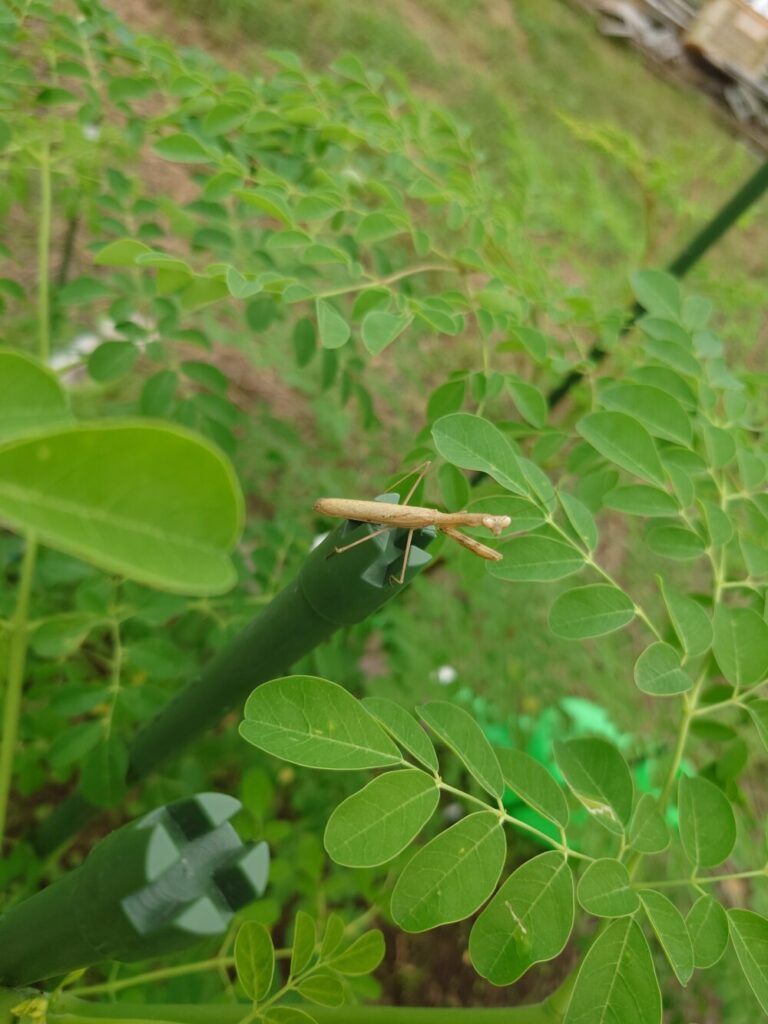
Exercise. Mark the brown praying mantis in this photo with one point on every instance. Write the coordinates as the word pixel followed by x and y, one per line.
pixel 412 518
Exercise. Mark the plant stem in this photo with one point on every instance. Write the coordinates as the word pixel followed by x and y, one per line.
pixel 17 660
pixel 149 977
pixel 668 883
pixel 383 281
pixel 43 256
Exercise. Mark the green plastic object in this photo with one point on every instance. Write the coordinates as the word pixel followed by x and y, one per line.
pixel 154 886
pixel 330 591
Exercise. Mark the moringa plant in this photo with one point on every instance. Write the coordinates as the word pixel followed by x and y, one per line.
pixel 675 444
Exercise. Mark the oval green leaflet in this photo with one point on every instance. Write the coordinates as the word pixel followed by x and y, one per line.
pixel 590 611
pixel 323 988
pixel 315 723
pixel 304 940
pixel 536 558
pixel 375 824
pixel 464 736
pixel 658 672
pixel 362 956
pixel 749 934
pixel 453 875
pixel 740 644
pixel 625 442
pixel 671 931
pixel 531 781
pixel 707 825
pixel 707 925
pixel 691 623
pixel 600 778
pixel 254 959
pixel 604 889
pixel 616 980
pixel 472 442
pixel 528 920
pixel 404 729
pixel 648 832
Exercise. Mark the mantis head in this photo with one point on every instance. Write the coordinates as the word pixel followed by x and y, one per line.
pixel 496 523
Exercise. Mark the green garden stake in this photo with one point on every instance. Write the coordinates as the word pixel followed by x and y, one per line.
pixel 750 192
pixel 329 592
pixel 154 886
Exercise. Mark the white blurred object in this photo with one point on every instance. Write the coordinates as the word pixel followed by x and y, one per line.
pixel 317 540
pixel 446 675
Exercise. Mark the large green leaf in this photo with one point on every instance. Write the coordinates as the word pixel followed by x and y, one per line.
pixel 31 397
pixel 590 611
pixel 707 825
pixel 532 782
pixel 624 441
pixel 749 934
pixel 537 558
pixel 707 925
pixel 374 825
pixel 604 889
pixel 400 724
pixel 471 442
pixel 453 875
pixel 600 778
pixel 465 737
pixel 315 723
pixel 671 931
pixel 148 501
pixel 740 644
pixel 616 981
pixel 528 920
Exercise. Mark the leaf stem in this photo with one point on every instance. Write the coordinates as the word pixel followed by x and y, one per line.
pixel 17 661
pixel 383 281
pixel 668 883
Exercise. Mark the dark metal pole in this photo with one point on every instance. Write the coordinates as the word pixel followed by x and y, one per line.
pixel 700 244
pixel 330 591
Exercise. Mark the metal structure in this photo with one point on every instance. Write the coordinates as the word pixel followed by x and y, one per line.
pixel 154 886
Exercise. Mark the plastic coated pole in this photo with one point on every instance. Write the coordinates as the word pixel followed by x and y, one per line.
pixel 329 592
pixel 154 886
pixel 688 257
